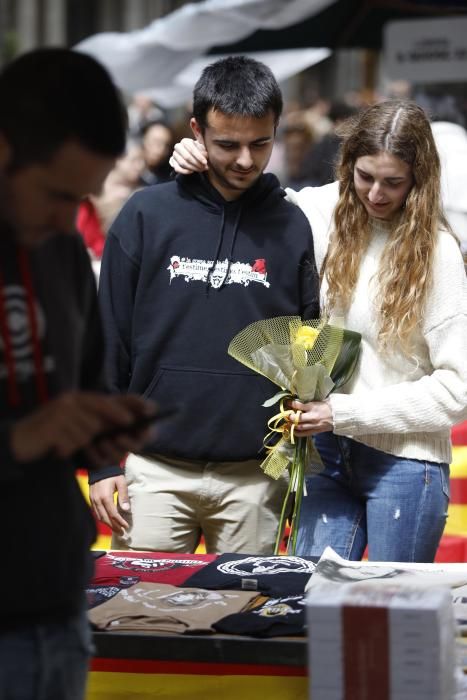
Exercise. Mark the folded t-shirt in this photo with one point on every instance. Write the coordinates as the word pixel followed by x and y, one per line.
pixel 157 567
pixel 274 576
pixel 276 617
pixel 98 593
pixel 159 607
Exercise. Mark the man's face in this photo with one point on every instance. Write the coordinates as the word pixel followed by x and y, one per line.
pixel 40 199
pixel 238 149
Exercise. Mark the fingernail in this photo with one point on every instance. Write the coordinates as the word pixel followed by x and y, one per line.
pixel 125 506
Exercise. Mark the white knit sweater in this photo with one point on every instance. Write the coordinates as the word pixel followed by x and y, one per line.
pixel 404 406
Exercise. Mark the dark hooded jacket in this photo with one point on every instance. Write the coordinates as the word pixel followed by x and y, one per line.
pixel 183 272
pixel 50 342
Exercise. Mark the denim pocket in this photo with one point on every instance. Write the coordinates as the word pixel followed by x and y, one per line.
pixel 432 470
pixel 445 483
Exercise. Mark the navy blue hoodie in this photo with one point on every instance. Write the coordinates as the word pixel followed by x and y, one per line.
pixel 50 342
pixel 183 271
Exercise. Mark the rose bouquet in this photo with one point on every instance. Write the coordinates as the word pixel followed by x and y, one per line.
pixel 307 360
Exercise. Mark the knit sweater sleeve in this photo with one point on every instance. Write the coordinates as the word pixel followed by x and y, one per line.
pixel 317 203
pixel 438 399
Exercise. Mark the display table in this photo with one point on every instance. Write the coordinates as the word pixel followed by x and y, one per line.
pixel 130 665
pixel 139 666
pixel 143 665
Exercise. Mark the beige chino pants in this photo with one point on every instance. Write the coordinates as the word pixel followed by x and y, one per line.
pixel 173 502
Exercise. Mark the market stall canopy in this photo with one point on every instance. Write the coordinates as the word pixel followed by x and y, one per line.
pixel 345 24
pixel 164 59
pixel 152 58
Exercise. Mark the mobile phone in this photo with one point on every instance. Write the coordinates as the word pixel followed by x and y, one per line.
pixel 137 425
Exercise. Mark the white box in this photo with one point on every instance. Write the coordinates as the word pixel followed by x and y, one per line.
pixel 368 642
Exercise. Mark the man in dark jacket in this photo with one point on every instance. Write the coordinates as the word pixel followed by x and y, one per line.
pixel 187 265
pixel 61 128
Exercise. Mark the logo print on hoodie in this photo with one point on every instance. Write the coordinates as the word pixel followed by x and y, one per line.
pixel 17 319
pixel 18 322
pixel 223 273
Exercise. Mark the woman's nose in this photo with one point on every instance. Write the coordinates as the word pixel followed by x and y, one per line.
pixel 375 194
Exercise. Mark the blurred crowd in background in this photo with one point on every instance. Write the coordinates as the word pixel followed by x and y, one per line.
pixel 305 153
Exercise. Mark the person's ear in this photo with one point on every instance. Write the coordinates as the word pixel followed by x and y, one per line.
pixel 5 152
pixel 196 129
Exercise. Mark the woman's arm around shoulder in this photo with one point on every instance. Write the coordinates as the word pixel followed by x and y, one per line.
pixel 318 204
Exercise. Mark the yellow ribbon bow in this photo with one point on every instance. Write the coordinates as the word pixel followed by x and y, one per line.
pixel 280 454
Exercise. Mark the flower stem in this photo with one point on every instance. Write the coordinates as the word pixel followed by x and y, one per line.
pixel 283 518
pixel 299 469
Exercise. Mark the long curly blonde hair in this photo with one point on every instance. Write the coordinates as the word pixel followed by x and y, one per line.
pixel 402 129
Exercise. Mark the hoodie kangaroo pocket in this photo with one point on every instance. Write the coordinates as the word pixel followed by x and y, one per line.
pixel 220 415
pixel 152 386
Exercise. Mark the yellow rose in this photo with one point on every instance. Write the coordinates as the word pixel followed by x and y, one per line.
pixel 306 337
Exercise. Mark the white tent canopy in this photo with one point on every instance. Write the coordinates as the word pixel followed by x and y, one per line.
pixel 155 58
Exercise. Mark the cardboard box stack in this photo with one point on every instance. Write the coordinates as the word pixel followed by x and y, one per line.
pixel 388 642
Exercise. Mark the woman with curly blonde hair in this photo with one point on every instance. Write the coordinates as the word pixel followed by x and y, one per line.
pixel 392 135
pixel 392 270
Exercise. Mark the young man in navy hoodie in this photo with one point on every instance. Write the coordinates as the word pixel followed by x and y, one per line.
pixel 187 265
pixel 61 128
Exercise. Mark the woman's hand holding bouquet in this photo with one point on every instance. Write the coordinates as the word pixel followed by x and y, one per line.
pixel 311 418
pixel 308 360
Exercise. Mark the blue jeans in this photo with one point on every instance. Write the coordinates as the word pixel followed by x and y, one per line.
pixel 396 506
pixel 46 661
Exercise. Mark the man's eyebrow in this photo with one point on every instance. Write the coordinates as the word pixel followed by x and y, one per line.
pixel 224 140
pixel 261 139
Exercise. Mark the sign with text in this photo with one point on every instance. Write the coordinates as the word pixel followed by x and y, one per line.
pixel 427 50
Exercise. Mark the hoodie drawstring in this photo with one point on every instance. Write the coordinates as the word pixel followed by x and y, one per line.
pixel 218 248
pixel 14 398
pixel 212 267
pixel 232 245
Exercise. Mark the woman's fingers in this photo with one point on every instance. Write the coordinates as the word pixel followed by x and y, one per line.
pixel 189 156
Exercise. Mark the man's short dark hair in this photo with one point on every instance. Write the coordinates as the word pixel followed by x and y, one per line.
pixel 53 95
pixel 237 86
